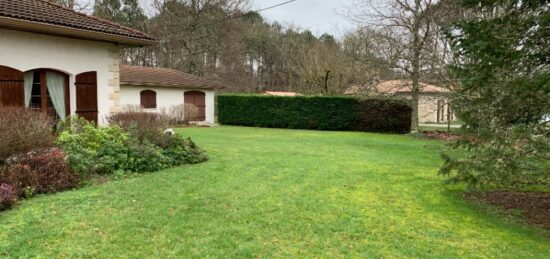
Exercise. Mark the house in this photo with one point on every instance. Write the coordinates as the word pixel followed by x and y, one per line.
pixel 287 94
pixel 433 101
pixel 158 88
pixel 62 62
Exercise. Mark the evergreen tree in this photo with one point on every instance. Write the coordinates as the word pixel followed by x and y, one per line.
pixel 125 12
pixel 504 95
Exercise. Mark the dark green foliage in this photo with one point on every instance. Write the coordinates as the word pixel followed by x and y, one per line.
pixel 182 151
pixel 125 12
pixel 144 156
pixel 504 95
pixel 382 115
pixel 317 113
pixel 93 150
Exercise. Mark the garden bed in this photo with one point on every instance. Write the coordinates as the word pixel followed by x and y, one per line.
pixel 35 161
pixel 533 206
pixel 449 136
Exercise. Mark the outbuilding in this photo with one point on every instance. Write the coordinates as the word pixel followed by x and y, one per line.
pixel 155 89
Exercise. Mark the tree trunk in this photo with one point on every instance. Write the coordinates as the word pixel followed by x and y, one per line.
pixel 415 75
pixel 415 87
pixel 327 77
pixel 448 117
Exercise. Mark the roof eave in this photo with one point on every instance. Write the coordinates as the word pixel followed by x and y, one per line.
pixel 124 83
pixel 57 30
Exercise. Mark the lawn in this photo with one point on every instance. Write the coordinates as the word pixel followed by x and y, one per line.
pixel 274 193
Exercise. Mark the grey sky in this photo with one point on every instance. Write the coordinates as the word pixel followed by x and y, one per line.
pixel 319 16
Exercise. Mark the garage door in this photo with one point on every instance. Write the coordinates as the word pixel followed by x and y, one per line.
pixel 197 98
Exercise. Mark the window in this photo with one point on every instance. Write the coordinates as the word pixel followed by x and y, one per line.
pixel 148 99
pixel 40 97
pixel 36 93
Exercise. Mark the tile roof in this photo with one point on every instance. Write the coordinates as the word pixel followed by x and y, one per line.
pixel 395 87
pixel 45 17
pixel 281 93
pixel 163 77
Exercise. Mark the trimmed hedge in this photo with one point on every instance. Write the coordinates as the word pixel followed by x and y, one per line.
pixel 315 112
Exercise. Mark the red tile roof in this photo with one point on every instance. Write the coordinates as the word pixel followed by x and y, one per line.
pixel 281 93
pixel 395 87
pixel 44 17
pixel 163 77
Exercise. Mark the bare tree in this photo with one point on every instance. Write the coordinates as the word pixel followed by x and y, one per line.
pixel 189 31
pixel 408 25
pixel 78 5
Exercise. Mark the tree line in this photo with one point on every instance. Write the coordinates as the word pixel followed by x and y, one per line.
pixel 224 40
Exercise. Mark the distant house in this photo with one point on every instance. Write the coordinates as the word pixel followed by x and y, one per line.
pixel 289 94
pixel 62 62
pixel 433 100
pixel 157 88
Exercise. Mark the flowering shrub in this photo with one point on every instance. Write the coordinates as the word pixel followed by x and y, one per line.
pixel 40 171
pixel 8 197
pixel 22 131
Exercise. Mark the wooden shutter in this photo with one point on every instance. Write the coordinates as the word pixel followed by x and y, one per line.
pixel 198 99
pixel 86 96
pixel 12 91
pixel 148 99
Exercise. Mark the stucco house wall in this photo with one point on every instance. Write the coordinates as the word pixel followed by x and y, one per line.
pixel 27 51
pixel 166 97
pixel 428 106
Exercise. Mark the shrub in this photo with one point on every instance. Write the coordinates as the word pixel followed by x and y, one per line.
pixel 8 196
pixel 182 151
pixel 382 115
pixel 143 125
pixel 22 131
pixel 95 150
pixel 180 114
pixel 144 156
pixel 319 113
pixel 41 171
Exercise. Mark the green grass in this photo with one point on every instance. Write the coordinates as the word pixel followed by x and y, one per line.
pixel 274 193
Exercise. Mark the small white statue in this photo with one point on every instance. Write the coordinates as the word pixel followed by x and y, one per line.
pixel 169 132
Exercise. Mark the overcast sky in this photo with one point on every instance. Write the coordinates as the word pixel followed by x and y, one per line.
pixel 319 16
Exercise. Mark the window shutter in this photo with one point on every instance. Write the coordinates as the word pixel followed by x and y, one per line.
pixel 148 99
pixel 11 87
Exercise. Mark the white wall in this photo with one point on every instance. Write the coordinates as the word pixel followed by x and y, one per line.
pixel 26 51
pixel 166 97
pixel 427 108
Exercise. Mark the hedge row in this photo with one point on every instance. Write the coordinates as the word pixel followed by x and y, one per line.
pixel 318 113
